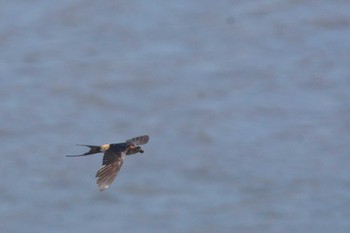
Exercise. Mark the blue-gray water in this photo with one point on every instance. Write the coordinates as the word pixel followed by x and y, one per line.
pixel 247 104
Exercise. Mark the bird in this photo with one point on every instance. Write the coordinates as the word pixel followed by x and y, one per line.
pixel 113 158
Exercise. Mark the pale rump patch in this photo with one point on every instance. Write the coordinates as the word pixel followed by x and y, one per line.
pixel 104 147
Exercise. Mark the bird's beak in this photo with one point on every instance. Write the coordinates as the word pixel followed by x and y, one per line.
pixel 141 151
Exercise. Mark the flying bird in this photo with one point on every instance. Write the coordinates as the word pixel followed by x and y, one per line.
pixel 113 158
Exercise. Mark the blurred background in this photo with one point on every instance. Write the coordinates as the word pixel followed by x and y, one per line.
pixel 247 104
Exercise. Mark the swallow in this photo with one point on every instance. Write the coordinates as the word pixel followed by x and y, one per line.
pixel 113 158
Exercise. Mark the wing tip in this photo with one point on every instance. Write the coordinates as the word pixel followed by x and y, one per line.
pixel 103 187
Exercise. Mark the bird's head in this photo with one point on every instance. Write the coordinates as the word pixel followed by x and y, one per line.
pixel 134 150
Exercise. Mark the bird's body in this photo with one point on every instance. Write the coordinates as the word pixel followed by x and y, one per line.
pixel 113 158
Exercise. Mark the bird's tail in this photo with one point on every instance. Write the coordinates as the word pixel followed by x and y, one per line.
pixel 93 150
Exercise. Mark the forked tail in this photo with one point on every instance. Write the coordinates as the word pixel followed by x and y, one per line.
pixel 93 150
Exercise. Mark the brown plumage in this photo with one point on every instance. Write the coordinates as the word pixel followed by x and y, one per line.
pixel 113 158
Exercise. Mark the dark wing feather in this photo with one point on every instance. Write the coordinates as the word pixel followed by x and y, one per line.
pixel 141 140
pixel 111 166
pixel 109 158
pixel 113 152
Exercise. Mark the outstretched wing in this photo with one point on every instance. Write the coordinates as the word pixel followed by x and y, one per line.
pixel 111 165
pixel 141 140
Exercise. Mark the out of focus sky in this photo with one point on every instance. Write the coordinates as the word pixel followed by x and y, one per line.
pixel 246 104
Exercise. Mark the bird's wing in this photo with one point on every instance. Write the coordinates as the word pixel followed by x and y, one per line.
pixel 141 140
pixel 110 156
pixel 111 165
